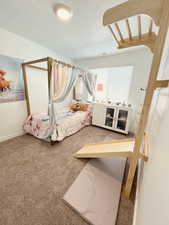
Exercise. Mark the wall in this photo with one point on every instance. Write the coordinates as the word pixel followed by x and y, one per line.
pixel 153 196
pixel 140 58
pixel 12 65
pixel 116 83
pixel 37 81
pixel 12 115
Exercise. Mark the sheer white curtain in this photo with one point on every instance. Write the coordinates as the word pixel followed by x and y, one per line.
pixel 63 79
pixel 60 80
pixel 88 81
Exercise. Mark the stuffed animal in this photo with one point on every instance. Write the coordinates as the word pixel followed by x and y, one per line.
pixel 79 107
pixel 4 84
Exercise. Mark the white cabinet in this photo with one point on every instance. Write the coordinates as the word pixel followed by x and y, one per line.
pixel 98 112
pixel 111 117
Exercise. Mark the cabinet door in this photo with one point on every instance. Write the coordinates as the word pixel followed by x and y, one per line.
pixel 122 120
pixel 110 117
pixel 98 115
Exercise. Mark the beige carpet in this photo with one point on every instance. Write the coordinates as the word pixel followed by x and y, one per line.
pixel 34 176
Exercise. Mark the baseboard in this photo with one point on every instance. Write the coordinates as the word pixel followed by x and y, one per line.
pixel 4 138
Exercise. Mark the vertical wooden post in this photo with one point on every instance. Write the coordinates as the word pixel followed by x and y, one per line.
pixel 119 31
pixel 111 30
pixel 26 88
pixel 150 27
pixel 158 50
pixel 49 68
pixel 129 29
pixel 139 26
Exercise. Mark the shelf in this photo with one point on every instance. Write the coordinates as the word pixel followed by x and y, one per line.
pixel 118 148
pixel 109 117
pixel 124 120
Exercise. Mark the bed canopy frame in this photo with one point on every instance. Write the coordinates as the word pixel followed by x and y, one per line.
pixel 132 148
pixel 49 61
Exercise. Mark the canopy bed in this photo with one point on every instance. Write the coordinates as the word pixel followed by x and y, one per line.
pixel 56 125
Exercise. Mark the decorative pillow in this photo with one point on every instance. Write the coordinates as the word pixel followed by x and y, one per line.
pixel 79 107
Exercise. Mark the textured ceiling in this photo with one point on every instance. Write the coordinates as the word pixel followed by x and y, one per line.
pixel 83 36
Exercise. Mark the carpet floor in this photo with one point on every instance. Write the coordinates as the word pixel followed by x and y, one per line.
pixel 34 176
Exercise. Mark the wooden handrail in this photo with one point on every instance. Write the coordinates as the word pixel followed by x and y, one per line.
pixel 37 67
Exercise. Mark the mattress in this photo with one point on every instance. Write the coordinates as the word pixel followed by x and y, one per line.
pixel 67 123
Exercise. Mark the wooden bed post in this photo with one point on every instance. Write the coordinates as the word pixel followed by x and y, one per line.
pixel 26 89
pixel 49 68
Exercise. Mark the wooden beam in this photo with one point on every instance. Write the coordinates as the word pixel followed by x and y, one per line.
pixel 132 8
pixel 146 40
pixel 104 154
pixel 133 162
pixel 26 89
pixel 37 67
pixel 139 26
pixel 119 31
pixel 36 61
pixel 146 148
pixel 158 50
pixel 113 142
pixel 114 36
pixel 129 29
pixel 50 60
pixel 47 59
pixel 146 151
pixel 160 84
pixel 115 148
pixel 150 27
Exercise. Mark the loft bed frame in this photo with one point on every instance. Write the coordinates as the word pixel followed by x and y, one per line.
pixel 32 64
pixel 132 149
pixel 147 39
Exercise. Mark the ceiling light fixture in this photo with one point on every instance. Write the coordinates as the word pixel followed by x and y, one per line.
pixel 63 12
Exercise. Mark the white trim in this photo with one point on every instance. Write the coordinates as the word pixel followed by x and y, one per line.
pixel 4 138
